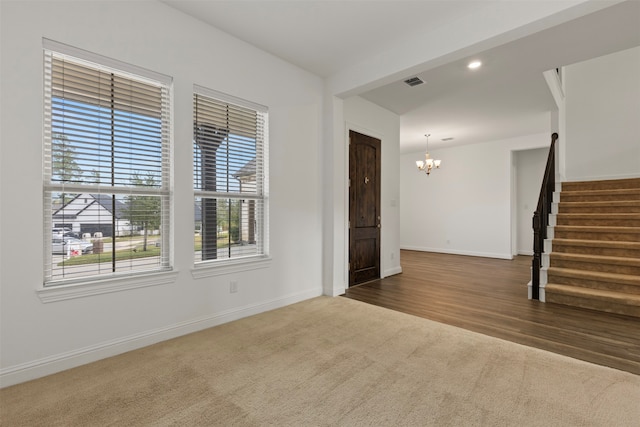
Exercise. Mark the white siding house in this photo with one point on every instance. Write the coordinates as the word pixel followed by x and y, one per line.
pixel 92 213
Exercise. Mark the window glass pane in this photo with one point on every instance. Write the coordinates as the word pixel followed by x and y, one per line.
pixel 97 145
pixel 91 238
pixel 106 171
pixel 236 228
pixel 225 164
pixel 229 180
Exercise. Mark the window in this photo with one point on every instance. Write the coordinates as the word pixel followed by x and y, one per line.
pixel 106 167
pixel 230 178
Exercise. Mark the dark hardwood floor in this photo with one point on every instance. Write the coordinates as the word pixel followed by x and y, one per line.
pixel 489 296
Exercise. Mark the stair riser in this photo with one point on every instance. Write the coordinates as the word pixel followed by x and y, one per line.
pixel 590 235
pixel 612 184
pixel 595 266
pixel 593 304
pixel 598 197
pixel 586 209
pixel 595 284
pixel 594 250
pixel 599 221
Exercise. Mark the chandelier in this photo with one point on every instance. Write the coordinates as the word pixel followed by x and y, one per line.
pixel 428 162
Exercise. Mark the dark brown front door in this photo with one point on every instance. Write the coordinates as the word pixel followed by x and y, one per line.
pixel 364 208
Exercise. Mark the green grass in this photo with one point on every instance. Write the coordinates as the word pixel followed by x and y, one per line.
pixel 121 255
pixel 222 242
pixel 127 254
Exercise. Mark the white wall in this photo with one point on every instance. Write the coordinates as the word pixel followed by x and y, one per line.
pixel 603 117
pixel 367 118
pixel 39 338
pixel 530 165
pixel 334 191
pixel 465 207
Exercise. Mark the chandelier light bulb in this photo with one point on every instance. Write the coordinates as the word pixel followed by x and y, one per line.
pixel 428 163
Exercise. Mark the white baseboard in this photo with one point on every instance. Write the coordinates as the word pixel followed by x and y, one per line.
pixel 342 289
pixel 529 253
pixel 392 271
pixel 60 362
pixel 457 252
pixel 541 292
pixel 338 290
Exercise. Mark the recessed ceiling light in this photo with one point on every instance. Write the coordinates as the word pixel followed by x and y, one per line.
pixel 474 64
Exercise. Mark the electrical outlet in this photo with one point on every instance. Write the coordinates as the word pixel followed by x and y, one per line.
pixel 233 287
pixel 393 255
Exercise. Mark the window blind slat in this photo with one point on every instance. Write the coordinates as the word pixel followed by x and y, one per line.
pixel 78 83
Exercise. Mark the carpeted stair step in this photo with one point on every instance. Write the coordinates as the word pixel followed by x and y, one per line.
pixel 600 195
pixel 600 263
pixel 615 206
pixel 624 283
pixel 594 299
pixel 600 219
pixel 609 184
pixel 595 247
pixel 591 232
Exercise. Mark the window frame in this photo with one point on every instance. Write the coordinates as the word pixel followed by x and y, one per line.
pixel 261 259
pixel 92 283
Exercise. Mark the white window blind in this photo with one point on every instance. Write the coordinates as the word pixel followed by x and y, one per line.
pixel 230 178
pixel 106 168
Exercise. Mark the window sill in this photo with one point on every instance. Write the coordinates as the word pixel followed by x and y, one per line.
pixel 220 268
pixel 104 286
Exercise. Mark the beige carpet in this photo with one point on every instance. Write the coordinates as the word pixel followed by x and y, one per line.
pixel 330 361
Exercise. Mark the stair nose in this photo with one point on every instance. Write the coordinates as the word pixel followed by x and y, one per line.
pixel 600 195
pixel 597 233
pixel 626 283
pixel 601 300
pixel 597 247
pixel 615 206
pixel 598 263
pixel 599 219
pixel 599 185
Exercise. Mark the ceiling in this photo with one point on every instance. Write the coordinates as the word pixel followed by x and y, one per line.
pixel 324 36
pixel 506 97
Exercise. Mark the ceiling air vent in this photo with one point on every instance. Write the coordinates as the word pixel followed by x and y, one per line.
pixel 447 139
pixel 414 81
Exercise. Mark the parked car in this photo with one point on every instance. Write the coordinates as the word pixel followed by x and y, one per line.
pixel 59 232
pixel 61 246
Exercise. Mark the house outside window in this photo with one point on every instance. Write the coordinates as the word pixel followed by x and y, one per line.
pixel 106 167
pixel 230 177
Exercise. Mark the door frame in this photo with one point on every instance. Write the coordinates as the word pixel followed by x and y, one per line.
pixel 350 126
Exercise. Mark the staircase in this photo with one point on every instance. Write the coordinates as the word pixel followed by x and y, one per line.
pixel 594 256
